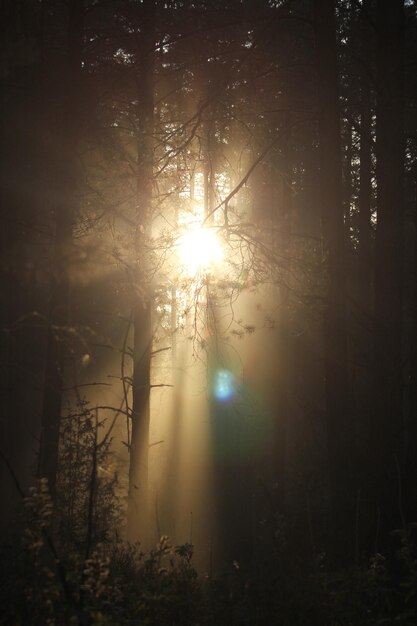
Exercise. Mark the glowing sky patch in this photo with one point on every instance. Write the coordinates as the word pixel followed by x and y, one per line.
pixel 224 385
pixel 199 250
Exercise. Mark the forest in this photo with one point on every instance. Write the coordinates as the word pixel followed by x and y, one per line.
pixel 208 312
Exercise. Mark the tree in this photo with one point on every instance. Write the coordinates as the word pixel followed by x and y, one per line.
pixel 63 163
pixel 138 521
pixel 365 245
pixel 21 189
pixel 339 438
pixel 387 427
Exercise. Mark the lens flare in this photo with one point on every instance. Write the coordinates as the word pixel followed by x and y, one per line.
pixel 224 385
pixel 199 250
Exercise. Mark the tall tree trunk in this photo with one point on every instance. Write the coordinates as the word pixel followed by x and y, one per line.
pixel 21 349
pixel 411 423
pixel 363 282
pixel 138 505
pixel 281 352
pixel 64 197
pixel 347 180
pixel 365 239
pixel 365 245
pixel 335 342
pixel 387 431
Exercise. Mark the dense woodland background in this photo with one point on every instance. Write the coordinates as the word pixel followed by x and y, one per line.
pixel 290 128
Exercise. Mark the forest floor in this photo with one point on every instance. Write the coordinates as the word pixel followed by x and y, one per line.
pixel 121 586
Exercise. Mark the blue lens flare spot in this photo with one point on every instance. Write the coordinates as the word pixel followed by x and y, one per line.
pixel 224 385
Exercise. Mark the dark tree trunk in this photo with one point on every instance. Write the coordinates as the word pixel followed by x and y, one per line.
pixel 138 505
pixel 21 346
pixel 411 423
pixel 365 245
pixel 335 343
pixel 363 282
pixel 64 198
pixel 282 348
pixel 365 237
pixel 387 431
pixel 347 180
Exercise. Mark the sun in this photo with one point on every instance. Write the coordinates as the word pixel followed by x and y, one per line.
pixel 199 250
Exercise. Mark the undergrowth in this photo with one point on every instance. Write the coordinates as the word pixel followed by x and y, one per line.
pixel 65 564
pixel 121 585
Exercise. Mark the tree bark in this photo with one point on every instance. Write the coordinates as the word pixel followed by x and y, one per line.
pixel 365 245
pixel 65 200
pixel 363 282
pixel 333 233
pixel 282 353
pixel 138 505
pixel 410 452
pixel 387 430
pixel 347 180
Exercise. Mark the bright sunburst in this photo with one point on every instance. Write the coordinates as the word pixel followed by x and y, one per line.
pixel 199 250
